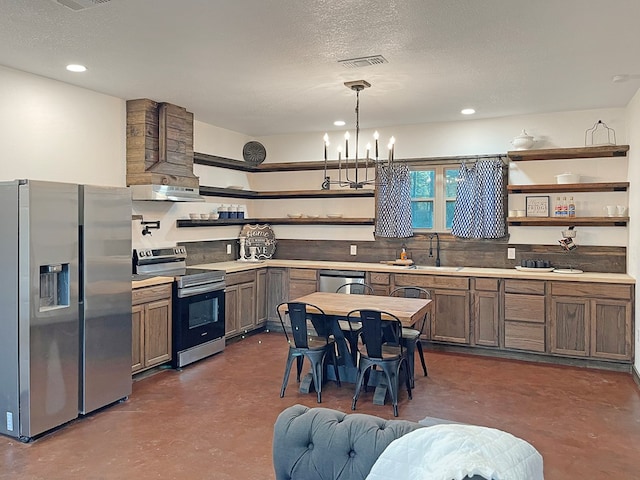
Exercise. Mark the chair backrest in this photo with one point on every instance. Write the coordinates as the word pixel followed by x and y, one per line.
pixel 355 288
pixel 298 315
pixel 378 328
pixel 410 292
pixel 413 292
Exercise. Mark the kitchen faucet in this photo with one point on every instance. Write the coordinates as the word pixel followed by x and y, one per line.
pixel 437 247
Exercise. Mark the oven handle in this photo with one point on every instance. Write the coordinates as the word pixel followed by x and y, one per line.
pixel 200 289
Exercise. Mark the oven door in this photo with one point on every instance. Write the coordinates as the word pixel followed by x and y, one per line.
pixel 197 318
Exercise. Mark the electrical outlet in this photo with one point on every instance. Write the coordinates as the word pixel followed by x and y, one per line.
pixel 353 250
pixel 511 253
pixel 228 249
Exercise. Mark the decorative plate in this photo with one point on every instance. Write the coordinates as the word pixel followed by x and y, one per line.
pixel 254 153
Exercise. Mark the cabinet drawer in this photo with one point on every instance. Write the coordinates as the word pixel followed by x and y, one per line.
pixel 524 286
pixel 240 277
pixel 486 284
pixel 593 290
pixel 431 281
pixel 524 308
pixel 150 294
pixel 524 336
pixel 378 278
pixel 302 274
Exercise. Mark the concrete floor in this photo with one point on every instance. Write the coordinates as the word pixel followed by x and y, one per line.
pixel 214 419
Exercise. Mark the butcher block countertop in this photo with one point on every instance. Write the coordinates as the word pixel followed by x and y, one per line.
pixel 150 282
pixel 238 266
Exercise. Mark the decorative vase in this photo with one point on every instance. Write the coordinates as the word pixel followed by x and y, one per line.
pixel 523 141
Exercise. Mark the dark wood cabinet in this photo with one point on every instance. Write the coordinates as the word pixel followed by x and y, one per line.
pixel 240 303
pixel 277 292
pixel 524 315
pixel 450 319
pixel 486 312
pixel 151 327
pixel 592 320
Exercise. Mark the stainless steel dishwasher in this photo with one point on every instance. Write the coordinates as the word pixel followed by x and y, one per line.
pixel 331 280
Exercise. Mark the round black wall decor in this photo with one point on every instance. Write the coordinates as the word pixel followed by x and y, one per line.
pixel 254 153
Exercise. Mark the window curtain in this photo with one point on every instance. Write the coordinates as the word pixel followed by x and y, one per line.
pixel 393 202
pixel 479 210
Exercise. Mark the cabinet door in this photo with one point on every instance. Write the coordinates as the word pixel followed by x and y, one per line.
pixel 261 297
pixel 570 326
pixel 231 310
pixel 137 337
pixel 486 317
pixel 277 291
pixel 380 282
pixel 611 329
pixel 157 332
pixel 246 306
pixel 450 321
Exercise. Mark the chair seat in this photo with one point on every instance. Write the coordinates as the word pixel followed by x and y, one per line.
pixel 389 352
pixel 344 325
pixel 317 343
pixel 410 333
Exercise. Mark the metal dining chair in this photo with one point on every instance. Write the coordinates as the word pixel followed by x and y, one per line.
pixel 356 288
pixel 303 344
pixel 351 331
pixel 411 336
pixel 381 347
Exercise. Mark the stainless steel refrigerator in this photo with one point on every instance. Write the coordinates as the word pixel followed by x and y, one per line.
pixel 65 331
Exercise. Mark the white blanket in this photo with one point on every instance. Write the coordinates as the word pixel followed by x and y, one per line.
pixel 452 452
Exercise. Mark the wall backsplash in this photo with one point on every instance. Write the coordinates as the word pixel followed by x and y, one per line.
pixel 453 252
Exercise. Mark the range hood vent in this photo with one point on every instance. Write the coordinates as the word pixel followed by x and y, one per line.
pixel 166 193
pixel 363 61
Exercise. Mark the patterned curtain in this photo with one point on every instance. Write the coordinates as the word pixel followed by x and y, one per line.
pixel 479 210
pixel 393 204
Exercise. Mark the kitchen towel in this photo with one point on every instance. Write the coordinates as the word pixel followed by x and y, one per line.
pixel 393 205
pixel 479 209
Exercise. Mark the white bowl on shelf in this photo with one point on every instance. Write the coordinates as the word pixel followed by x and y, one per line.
pixel 334 215
pixel 204 216
pixel 312 216
pixel 214 216
pixel 194 216
pixel 294 215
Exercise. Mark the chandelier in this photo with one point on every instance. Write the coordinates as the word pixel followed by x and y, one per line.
pixel 350 170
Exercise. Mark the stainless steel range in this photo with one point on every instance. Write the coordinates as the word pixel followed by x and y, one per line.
pixel 198 302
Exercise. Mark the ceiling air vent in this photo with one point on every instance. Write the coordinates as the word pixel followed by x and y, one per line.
pixel 81 4
pixel 363 61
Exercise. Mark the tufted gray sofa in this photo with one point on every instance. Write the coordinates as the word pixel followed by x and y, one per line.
pixel 325 444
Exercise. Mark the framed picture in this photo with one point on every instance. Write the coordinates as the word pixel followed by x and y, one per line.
pixel 538 206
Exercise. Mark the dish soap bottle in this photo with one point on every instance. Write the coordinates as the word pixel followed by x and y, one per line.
pixel 403 254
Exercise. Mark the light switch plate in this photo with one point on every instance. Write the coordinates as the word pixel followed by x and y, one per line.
pixel 511 253
pixel 353 250
pixel 228 249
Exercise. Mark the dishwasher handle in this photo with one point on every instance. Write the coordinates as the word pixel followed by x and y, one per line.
pixel 342 273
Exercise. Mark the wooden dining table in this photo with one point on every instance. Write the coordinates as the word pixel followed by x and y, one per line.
pixel 337 306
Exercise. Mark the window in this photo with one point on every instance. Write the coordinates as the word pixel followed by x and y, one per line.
pixel 433 197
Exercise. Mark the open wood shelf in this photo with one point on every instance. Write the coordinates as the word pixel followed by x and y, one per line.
pixel 567 221
pixel 569 153
pixel 253 195
pixel 275 221
pixel 570 187
pixel 215 161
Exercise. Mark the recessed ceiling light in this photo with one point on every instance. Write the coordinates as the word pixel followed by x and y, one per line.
pixel 339 123
pixel 467 111
pixel 76 68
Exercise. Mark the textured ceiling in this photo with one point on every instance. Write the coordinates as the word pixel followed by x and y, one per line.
pixel 263 67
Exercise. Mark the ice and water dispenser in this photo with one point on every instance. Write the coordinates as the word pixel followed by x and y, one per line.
pixel 54 286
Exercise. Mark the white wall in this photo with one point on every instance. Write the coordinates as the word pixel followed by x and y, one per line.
pixel 51 130
pixel 633 252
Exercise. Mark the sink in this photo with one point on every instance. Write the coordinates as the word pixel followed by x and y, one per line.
pixel 435 269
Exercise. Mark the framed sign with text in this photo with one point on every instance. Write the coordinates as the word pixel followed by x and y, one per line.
pixel 538 206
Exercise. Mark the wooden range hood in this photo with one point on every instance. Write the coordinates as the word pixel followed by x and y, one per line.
pixel 159 145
